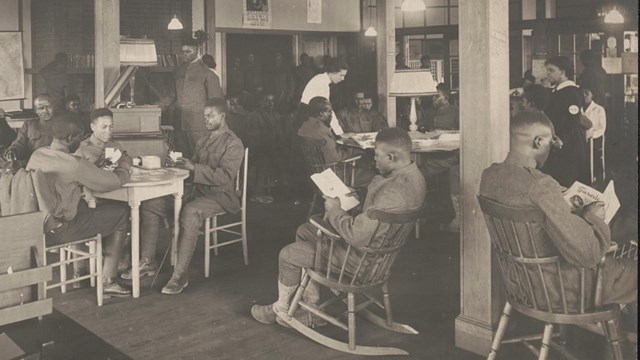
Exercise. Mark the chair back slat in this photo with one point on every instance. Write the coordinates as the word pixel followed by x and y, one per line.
pixel 533 272
pixel 371 265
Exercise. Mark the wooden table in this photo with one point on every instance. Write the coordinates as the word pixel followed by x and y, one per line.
pixel 146 185
pixel 422 142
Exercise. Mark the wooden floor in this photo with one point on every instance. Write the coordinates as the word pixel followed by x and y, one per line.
pixel 211 318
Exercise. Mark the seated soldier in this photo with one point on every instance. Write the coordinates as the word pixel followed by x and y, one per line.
pixel 581 239
pixel 269 141
pixel 72 105
pixel 94 147
pixel 213 169
pixel 400 187
pixel 317 127
pixel 237 118
pixel 443 115
pixel 358 119
pixel 33 134
pixel 367 104
pixel 73 219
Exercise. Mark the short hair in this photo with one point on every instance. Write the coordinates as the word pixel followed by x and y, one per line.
pixel 47 97
pixel 333 65
pixel 304 55
pixel 396 137
pixel 528 118
pixel 528 76
pixel 72 97
pixel 62 127
pixel 399 57
pixel 189 41
pixel 444 89
pixel 218 103
pixel 100 112
pixel 425 57
pixel 563 63
pixel 209 60
pixel 586 91
pixel 537 95
pixel 263 95
pixel 317 105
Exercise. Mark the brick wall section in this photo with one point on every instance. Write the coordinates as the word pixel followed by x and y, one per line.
pixel 68 26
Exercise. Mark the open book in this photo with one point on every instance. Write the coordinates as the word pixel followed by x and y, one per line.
pixel 579 195
pixel 331 185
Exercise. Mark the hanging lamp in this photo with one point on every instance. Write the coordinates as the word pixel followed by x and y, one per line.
pixel 175 24
pixel 371 31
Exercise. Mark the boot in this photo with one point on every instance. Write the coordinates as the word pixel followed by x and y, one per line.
pixel 454 225
pixel 266 314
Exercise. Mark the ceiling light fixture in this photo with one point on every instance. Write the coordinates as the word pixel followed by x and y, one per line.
pixel 371 31
pixel 413 5
pixel 175 24
pixel 614 17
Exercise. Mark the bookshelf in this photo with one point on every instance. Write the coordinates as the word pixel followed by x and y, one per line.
pixel 85 64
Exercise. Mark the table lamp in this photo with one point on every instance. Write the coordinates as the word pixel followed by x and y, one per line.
pixel 412 83
pixel 133 54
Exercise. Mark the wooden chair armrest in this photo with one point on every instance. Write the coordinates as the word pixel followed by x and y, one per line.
pixel 323 226
pixel 352 159
pixel 612 248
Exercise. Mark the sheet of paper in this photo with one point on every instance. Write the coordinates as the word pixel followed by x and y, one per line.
pixel 611 202
pixel 112 154
pixel 335 125
pixel 331 185
pixel 8 348
pixel 365 140
pixel 579 195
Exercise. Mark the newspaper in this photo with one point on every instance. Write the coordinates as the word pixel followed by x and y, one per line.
pixel 331 186
pixel 365 140
pixel 580 195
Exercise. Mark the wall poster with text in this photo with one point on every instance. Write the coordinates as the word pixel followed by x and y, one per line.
pixel 256 14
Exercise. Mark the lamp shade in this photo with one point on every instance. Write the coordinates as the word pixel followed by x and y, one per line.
pixel 139 52
pixel 413 5
pixel 371 31
pixel 417 82
pixel 175 24
pixel 614 17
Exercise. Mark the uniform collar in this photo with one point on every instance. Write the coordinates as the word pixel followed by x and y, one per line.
pixel 403 170
pixel 563 85
pixel 58 147
pixel 97 142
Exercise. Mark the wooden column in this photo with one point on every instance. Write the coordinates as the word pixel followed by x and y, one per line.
pixel 107 42
pixel 385 56
pixel 484 114
pixel 210 27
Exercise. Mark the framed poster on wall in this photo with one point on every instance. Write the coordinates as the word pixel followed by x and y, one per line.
pixel 256 14
pixel 11 66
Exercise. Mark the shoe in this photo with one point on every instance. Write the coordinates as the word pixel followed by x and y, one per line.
pixel 262 199
pixel 268 199
pixel 147 268
pixel 264 314
pixel 175 285
pixel 111 288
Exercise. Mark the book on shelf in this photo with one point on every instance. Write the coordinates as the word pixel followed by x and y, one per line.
pixel 580 195
pixel 331 186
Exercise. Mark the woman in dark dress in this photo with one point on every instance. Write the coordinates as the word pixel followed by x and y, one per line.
pixel 570 163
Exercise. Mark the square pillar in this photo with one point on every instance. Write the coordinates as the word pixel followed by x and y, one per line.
pixel 484 126
pixel 386 57
pixel 107 42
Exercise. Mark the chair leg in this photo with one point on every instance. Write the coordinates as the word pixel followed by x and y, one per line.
pixel 418 229
pixel 613 333
pixel 293 305
pixel 592 178
pixel 92 262
pixel 243 230
pixel 63 270
pixel 352 320
pixel 502 327
pixel 207 246
pixel 214 225
pixel 387 303
pixel 99 285
pixel 546 341
pixel 76 266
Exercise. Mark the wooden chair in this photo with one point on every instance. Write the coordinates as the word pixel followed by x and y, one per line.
pixel 212 227
pixel 537 284
pixel 72 252
pixel 315 163
pixel 347 281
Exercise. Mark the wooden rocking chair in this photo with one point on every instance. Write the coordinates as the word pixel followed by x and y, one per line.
pixel 349 271
pixel 314 161
pixel 537 284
